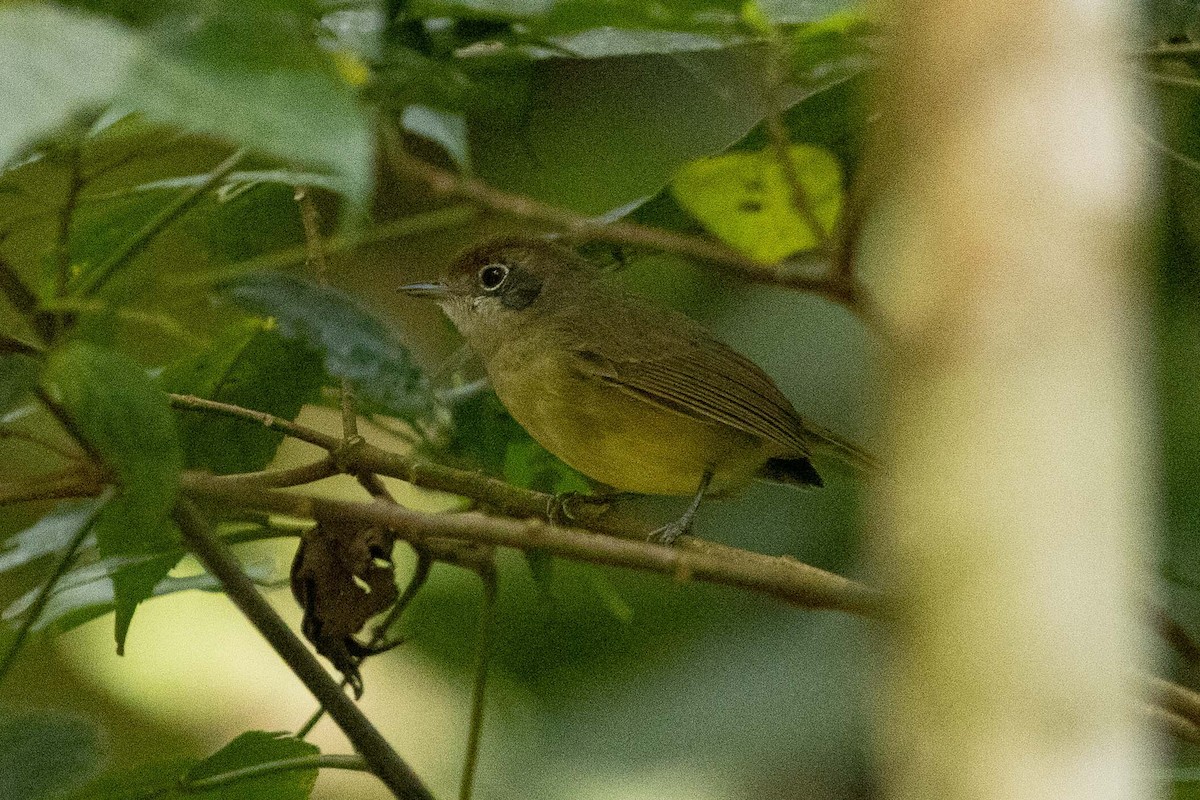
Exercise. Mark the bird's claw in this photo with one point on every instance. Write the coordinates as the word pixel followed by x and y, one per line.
pixel 668 533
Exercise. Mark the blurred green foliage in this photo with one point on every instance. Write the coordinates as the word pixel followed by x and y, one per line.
pixel 605 683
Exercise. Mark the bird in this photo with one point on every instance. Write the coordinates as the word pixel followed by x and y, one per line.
pixel 636 397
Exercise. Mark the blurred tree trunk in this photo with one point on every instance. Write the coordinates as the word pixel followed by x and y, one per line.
pixel 1014 514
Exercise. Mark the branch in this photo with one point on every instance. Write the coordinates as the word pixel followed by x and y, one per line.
pixel 690 559
pixel 10 345
pixel 446 184
pixel 219 561
pixel 282 478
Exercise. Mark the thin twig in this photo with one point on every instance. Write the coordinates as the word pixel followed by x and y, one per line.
pixel 95 278
pixel 1174 80
pixel 483 658
pixel 313 244
pixel 1167 50
pixel 43 596
pixel 318 262
pixel 781 144
pixel 1176 698
pixel 438 219
pixel 219 561
pixel 193 403
pixel 10 345
pixel 1146 140
pixel 1180 727
pixel 68 424
pixel 23 301
pixel 282 478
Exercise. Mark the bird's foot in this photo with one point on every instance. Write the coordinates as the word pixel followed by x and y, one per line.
pixel 668 533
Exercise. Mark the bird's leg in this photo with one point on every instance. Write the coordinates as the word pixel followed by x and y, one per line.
pixel 668 533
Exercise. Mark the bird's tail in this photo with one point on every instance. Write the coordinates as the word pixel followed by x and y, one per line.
pixel 843 449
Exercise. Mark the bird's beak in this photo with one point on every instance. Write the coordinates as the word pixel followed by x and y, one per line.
pixel 427 291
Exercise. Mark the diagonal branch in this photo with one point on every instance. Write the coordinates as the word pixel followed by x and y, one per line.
pixel 446 184
pixel 219 561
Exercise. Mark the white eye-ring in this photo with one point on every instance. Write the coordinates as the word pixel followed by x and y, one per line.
pixel 492 277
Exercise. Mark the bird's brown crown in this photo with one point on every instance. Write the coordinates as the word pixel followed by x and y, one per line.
pixel 538 256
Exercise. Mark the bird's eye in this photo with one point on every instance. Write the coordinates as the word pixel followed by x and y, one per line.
pixel 492 276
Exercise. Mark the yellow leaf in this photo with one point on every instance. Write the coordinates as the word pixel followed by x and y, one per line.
pixel 352 69
pixel 744 199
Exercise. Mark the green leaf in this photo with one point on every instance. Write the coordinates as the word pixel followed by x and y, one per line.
pixel 613 42
pixel 528 464
pixel 87 592
pixel 18 376
pixel 252 749
pixel 156 780
pixel 52 533
pixel 501 10
pixel 249 365
pixel 252 71
pixel 745 199
pixel 448 130
pixel 355 343
pixel 174 780
pixel 54 62
pixel 126 419
pixel 44 754
pixel 541 569
pixel 676 15
pixel 610 598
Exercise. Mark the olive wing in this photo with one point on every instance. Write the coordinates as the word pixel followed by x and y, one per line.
pixel 706 380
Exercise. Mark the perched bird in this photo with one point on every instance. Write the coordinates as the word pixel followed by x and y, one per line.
pixel 636 397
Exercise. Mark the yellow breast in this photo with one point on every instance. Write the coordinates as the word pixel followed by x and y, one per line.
pixel 613 436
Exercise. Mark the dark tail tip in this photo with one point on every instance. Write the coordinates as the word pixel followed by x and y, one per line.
pixel 795 471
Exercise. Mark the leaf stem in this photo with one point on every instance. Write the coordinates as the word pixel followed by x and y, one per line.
pixel 349 762
pixel 65 217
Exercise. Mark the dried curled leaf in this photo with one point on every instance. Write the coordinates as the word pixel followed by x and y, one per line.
pixel 342 576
